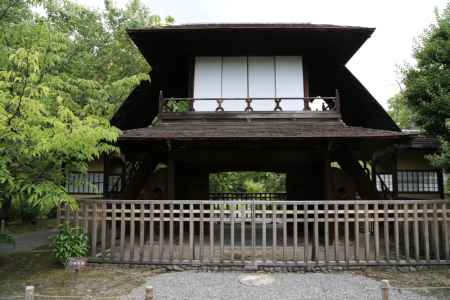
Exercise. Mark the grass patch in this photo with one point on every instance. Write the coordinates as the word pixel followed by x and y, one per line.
pixel 49 278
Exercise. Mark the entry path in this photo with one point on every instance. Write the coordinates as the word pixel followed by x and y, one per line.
pixel 28 241
pixel 286 286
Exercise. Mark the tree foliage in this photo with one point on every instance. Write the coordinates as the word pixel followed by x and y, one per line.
pixel 64 69
pixel 247 182
pixel 427 84
pixel 400 112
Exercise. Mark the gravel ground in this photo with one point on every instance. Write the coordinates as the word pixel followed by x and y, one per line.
pixel 200 285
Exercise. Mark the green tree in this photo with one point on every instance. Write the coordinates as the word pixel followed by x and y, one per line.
pixel 400 112
pixel 64 69
pixel 427 84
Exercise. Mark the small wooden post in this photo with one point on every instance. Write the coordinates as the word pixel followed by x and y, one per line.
pixel 385 289
pixel 337 104
pixel 29 292
pixel 149 293
pixel 2 226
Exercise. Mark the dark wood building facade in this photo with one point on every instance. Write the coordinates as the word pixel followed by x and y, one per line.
pixel 192 128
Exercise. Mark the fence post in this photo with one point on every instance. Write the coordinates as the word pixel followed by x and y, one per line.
pixel 149 293
pixel 2 226
pixel 29 292
pixel 385 289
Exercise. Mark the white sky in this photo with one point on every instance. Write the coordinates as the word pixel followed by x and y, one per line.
pixel 397 22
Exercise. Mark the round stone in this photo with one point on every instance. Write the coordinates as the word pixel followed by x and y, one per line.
pixel 255 279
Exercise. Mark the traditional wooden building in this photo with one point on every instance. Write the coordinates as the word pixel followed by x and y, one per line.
pixel 261 97
pixel 269 97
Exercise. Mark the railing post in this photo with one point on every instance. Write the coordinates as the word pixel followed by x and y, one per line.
pixel 29 292
pixel 385 289
pixel 337 104
pixel 306 104
pixel 149 293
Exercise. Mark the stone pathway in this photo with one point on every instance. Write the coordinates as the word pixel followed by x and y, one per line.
pixel 233 285
pixel 28 241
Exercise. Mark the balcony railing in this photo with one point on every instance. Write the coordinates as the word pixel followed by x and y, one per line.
pixel 250 104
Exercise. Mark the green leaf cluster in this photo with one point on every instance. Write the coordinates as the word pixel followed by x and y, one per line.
pixel 69 242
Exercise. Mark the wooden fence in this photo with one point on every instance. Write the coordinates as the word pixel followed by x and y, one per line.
pixel 265 233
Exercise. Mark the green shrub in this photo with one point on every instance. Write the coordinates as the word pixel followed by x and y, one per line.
pixel 69 242
pixel 28 212
pixel 6 238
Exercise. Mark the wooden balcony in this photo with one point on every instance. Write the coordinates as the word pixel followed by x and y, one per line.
pixel 326 108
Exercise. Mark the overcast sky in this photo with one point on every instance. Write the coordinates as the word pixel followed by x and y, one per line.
pixel 397 23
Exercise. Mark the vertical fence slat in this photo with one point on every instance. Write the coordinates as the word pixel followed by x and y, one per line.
pixel 113 230
pixel 406 230
pixel 161 215
pixel 264 233
pixel 377 233
pixel 396 234
pixel 336 232
pixel 233 219
pixel 346 235
pixel 181 232
pixel 222 232
pixel 94 230
pixel 435 232
pixel 242 208
pixel 191 232
pixel 103 224
pixel 295 234
pixel 356 230
pixel 366 233
pixel 274 232
pixel 305 233
pixel 316 233
pixel 386 232
pixel 416 233
pixel 122 230
pixel 202 233
pixel 253 228
pixel 132 230
pixel 211 232
pixel 426 232
pixel 141 233
pixel 284 233
pixel 327 242
pixel 152 231
pixel 445 231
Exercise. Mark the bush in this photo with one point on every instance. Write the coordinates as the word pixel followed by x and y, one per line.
pixel 69 242
pixel 27 212
pixel 6 238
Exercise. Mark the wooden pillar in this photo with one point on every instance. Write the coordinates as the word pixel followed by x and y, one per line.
pixel 170 177
pixel 394 177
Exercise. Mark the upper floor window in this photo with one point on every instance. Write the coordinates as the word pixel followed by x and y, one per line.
pixel 249 77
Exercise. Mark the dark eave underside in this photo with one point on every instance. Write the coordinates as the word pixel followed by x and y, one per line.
pixel 337 43
pixel 256 130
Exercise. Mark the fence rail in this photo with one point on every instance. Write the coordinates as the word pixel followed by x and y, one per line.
pixel 265 233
